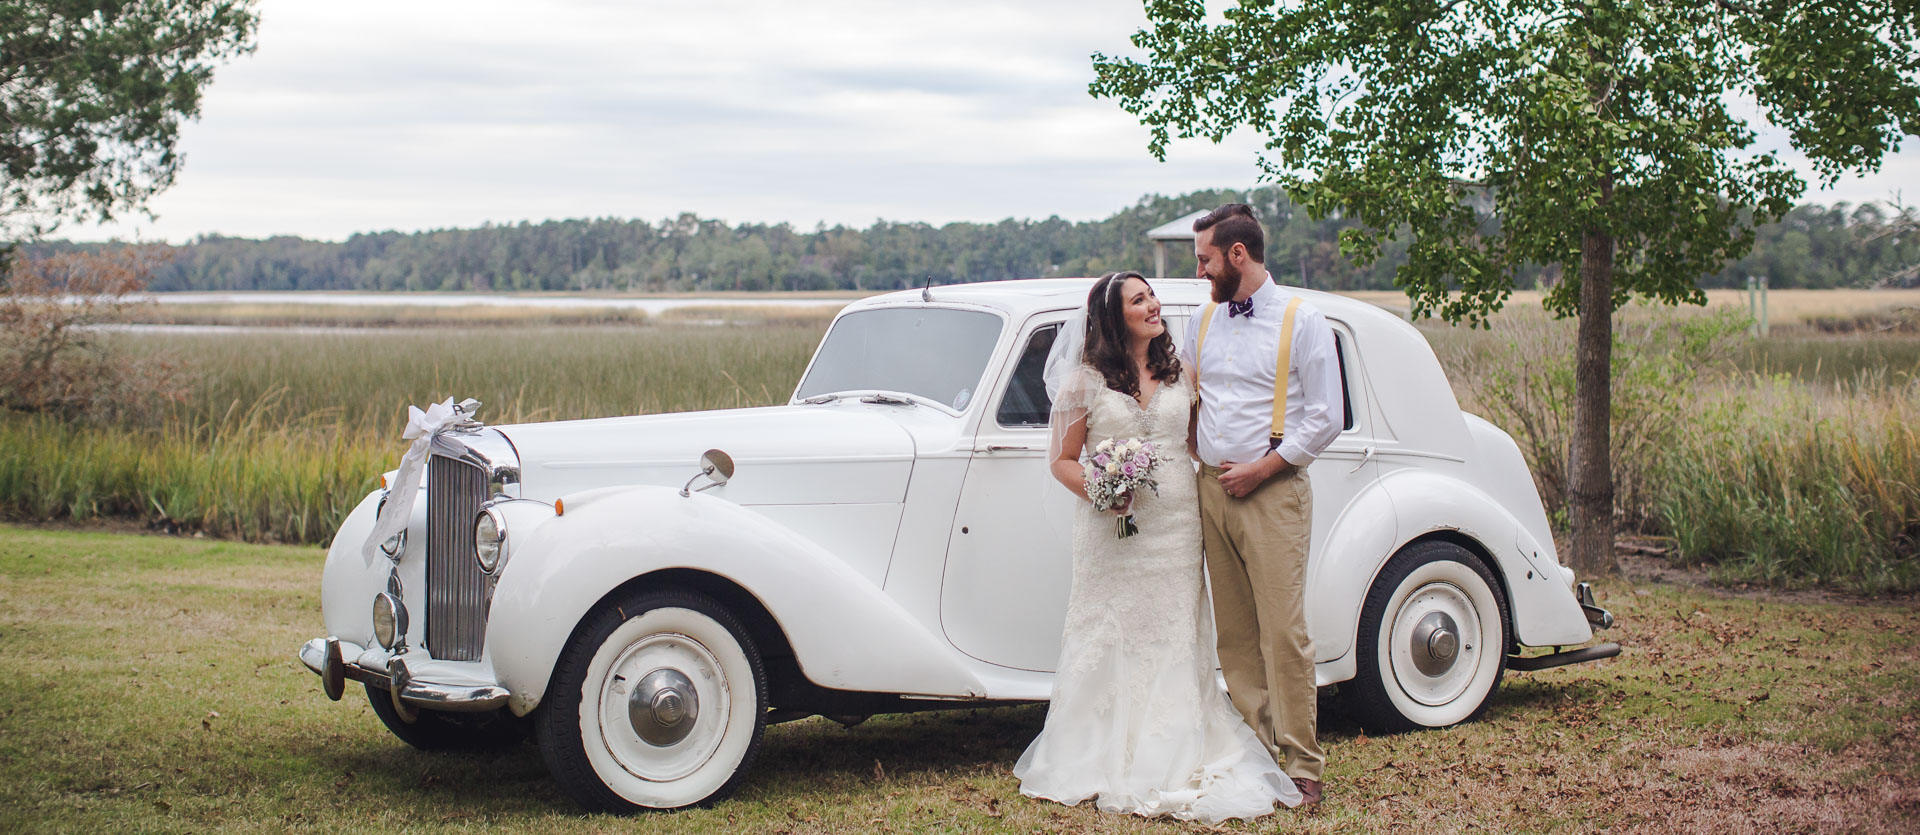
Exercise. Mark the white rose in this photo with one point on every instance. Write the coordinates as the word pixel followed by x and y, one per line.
pixel 1113 468
pixel 1133 445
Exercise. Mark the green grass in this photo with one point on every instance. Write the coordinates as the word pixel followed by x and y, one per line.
pixel 148 684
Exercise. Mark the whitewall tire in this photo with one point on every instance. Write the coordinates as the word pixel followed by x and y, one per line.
pixel 658 702
pixel 1433 640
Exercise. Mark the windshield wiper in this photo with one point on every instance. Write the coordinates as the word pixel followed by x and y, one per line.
pixel 887 400
pixel 820 398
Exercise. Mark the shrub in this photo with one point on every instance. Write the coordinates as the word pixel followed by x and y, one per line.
pixel 1521 379
pixel 51 357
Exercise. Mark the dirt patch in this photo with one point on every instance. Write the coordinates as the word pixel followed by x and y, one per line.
pixel 1643 560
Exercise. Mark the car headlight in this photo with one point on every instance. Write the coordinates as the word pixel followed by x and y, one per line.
pixel 489 540
pixel 389 619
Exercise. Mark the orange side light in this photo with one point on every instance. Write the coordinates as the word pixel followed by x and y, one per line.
pixel 559 508
pixel 383 482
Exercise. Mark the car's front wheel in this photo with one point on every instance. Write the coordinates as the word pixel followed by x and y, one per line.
pixel 658 702
pixel 1433 637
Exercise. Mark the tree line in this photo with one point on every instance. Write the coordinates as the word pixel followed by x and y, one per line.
pixel 1812 246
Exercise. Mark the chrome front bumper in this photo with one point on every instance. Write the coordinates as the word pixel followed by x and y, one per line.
pixel 337 661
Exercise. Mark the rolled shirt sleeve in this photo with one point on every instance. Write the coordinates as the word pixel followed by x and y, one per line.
pixel 1322 406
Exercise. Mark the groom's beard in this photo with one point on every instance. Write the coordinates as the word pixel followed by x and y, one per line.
pixel 1226 284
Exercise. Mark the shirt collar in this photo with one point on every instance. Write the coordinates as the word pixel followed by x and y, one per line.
pixel 1267 296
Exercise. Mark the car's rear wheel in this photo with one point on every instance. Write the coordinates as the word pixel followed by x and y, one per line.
pixel 658 702
pixel 1433 637
pixel 435 730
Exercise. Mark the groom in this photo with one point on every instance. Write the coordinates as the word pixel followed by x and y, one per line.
pixel 1256 511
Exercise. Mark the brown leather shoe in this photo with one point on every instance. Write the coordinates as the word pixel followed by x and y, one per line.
pixel 1309 792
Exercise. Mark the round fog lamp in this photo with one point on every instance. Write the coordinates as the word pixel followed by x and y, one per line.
pixel 489 540
pixel 389 619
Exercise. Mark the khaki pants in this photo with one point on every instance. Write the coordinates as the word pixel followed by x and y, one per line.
pixel 1257 566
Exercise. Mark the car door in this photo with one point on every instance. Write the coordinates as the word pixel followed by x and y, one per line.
pixel 1344 471
pixel 1003 598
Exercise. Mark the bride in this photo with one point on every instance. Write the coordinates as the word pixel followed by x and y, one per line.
pixel 1138 722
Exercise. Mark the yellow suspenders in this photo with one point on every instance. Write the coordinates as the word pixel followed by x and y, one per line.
pixel 1281 365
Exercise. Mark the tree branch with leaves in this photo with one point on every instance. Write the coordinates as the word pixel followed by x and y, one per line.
pixel 92 95
pixel 1497 135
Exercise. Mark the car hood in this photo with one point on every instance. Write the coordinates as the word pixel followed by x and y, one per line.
pixel 781 454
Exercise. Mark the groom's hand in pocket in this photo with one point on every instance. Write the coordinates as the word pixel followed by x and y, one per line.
pixel 1239 480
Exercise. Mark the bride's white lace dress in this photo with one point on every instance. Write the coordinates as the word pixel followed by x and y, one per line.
pixel 1138 721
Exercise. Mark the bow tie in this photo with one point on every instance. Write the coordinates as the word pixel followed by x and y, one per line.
pixel 1244 308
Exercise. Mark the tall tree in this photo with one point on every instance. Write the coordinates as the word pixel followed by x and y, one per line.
pixel 92 93
pixel 1595 135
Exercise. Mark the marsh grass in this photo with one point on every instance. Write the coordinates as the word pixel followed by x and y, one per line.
pixel 1799 484
pixel 378 316
pixel 1805 471
pixel 286 432
pixel 1742 451
pixel 147 684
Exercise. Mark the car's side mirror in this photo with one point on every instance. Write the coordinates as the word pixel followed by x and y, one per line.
pixel 715 466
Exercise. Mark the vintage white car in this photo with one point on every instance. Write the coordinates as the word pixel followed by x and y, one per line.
pixel 646 594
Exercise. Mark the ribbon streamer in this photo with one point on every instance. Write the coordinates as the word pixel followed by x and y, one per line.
pixel 422 428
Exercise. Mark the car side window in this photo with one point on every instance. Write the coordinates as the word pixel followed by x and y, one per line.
pixel 1025 402
pixel 1346 388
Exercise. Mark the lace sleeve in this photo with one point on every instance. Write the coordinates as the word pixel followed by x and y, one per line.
pixel 1068 421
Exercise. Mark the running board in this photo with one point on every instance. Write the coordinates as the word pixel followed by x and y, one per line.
pixel 1562 659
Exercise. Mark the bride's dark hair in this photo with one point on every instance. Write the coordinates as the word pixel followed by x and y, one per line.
pixel 1107 337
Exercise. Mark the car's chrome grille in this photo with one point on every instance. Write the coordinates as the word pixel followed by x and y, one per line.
pixel 457 590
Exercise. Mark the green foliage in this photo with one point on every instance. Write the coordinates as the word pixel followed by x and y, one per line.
pixel 1813 246
pixel 1500 133
pixel 94 96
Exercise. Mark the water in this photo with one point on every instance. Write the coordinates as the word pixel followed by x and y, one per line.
pixel 651 306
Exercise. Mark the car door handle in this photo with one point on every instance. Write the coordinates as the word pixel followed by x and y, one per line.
pixel 1366 455
pixel 1010 448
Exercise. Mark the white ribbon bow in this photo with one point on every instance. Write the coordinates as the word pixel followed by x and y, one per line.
pixel 422 428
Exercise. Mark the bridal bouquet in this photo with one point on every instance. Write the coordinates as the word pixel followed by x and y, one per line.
pixel 1117 470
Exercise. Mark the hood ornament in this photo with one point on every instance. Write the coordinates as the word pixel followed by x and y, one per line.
pixel 464 412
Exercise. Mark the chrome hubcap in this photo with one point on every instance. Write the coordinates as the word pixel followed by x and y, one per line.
pixel 663 707
pixel 1436 640
pixel 1435 643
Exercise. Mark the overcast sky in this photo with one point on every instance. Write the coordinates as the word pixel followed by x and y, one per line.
pixel 356 116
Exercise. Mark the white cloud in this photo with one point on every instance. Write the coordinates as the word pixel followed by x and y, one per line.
pixel 355 115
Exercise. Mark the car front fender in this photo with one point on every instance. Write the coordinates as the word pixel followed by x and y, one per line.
pixel 846 634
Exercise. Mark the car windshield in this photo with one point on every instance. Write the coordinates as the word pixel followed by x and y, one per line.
pixel 935 353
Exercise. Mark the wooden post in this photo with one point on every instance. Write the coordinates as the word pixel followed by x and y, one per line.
pixel 1766 327
pixel 1159 259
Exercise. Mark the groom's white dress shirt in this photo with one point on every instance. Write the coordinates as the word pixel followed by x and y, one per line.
pixel 1236 381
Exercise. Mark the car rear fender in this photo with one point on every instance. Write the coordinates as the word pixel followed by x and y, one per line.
pixel 845 633
pixel 1545 612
